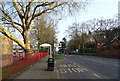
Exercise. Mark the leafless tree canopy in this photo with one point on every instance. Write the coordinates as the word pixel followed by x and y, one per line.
pixel 20 15
pixel 94 30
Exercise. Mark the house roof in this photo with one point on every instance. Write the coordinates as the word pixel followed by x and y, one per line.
pixel 116 39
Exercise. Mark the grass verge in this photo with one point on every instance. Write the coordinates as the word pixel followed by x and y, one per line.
pixel 57 56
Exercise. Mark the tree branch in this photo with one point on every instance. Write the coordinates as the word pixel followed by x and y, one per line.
pixel 44 4
pixel 1 31
pixel 9 20
pixel 5 13
pixel 6 33
pixel 28 7
pixel 18 10
pixel 38 14
pixel 22 7
pixel 13 24
pixel 50 8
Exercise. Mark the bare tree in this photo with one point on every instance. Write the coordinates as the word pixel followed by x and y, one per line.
pixel 45 32
pixel 94 30
pixel 79 34
pixel 100 29
pixel 20 15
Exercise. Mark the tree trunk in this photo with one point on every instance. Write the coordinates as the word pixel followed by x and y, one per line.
pixel 97 52
pixel 79 49
pixel 83 51
pixel 38 46
pixel 27 48
pixel 28 51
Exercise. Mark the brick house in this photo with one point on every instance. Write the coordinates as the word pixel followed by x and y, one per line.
pixel 115 41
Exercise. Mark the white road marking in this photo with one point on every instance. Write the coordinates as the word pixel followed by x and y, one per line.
pixel 69 70
pixel 79 69
pixel 97 75
pixel 60 65
pixel 63 71
pixel 74 69
pixel 78 65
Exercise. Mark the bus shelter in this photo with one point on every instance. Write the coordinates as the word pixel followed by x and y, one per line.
pixel 49 47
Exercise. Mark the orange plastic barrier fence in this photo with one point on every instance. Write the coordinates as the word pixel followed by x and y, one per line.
pixel 20 62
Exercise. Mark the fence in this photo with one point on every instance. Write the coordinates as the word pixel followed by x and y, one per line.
pixel 20 62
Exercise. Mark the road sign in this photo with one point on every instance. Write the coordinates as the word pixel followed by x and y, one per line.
pixel 77 50
pixel 56 45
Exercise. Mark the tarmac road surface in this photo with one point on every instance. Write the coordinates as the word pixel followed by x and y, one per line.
pixel 88 67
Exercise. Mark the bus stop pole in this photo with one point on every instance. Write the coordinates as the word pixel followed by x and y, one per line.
pixel 50 52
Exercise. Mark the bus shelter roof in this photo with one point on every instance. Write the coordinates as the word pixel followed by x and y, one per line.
pixel 45 45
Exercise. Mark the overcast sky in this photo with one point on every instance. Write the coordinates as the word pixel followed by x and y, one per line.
pixel 96 9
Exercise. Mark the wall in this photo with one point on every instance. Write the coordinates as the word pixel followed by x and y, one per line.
pixel 6 48
pixel 7 45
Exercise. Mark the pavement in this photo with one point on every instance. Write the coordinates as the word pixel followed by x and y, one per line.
pixel 39 71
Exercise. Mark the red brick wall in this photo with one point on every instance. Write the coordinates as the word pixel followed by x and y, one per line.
pixel 112 52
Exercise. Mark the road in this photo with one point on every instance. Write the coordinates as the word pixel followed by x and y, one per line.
pixel 88 67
